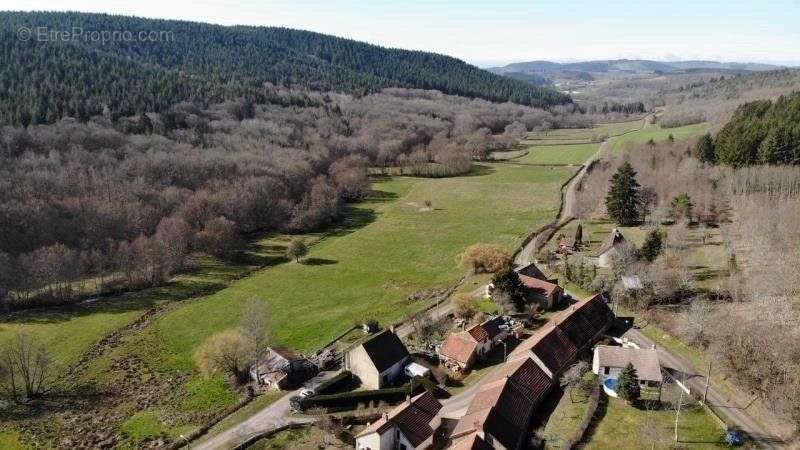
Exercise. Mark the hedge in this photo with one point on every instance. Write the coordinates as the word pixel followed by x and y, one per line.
pixel 334 383
pixel 350 400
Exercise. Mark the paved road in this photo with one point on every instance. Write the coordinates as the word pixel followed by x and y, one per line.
pixel 696 382
pixel 273 416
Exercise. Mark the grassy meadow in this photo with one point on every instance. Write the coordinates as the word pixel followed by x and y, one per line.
pixel 559 154
pixel 629 141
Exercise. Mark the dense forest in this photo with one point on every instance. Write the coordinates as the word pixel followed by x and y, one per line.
pixel 762 132
pixel 126 201
pixel 44 79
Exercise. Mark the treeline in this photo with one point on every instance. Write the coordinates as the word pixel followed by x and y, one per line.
pixel 614 107
pixel 761 132
pixel 124 202
pixel 44 80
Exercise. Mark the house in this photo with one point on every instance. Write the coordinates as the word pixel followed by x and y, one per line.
pixel 281 368
pixel 608 362
pixel 460 350
pixel 571 243
pixel 409 426
pixel 500 413
pixel 545 293
pixel 611 247
pixel 379 360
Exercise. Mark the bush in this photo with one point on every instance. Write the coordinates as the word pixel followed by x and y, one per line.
pixel 335 383
pixel 350 400
pixel 489 258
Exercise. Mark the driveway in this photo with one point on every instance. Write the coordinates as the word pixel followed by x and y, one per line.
pixel 273 416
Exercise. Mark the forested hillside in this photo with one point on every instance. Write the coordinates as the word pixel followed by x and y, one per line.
pixel 43 80
pixel 762 132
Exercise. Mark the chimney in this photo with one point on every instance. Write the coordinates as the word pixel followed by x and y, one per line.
pixel 385 416
pixel 408 399
pixel 391 328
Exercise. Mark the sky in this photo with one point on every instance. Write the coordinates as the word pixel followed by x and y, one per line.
pixel 488 33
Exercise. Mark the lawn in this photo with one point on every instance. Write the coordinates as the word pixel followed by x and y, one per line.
pixel 566 418
pixel 560 154
pixel 583 135
pixel 621 426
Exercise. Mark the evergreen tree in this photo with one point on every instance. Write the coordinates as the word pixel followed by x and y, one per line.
pixel 682 207
pixel 628 384
pixel 653 245
pixel 623 200
pixel 507 285
pixel 705 149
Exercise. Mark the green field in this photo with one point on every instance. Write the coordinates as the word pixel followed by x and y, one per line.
pixel 559 154
pixel 576 135
pixel 656 133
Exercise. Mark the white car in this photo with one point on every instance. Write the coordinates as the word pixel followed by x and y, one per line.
pixel 306 393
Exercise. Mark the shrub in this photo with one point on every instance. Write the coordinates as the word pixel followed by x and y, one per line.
pixel 228 353
pixel 480 258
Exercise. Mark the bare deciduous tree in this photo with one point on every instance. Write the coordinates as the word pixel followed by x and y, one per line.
pixel 26 369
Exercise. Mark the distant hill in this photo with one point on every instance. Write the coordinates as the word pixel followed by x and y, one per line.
pixel 628 66
pixel 41 81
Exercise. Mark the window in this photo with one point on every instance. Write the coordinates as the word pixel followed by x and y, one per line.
pixel 606 370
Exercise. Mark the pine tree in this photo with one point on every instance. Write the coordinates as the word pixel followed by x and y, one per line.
pixel 652 246
pixel 705 149
pixel 507 285
pixel 623 201
pixel 628 384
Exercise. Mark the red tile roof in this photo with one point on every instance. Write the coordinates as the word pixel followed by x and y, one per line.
pixel 539 286
pixel 459 346
pixel 500 408
pixel 412 417
pixel 487 330
pixel 471 442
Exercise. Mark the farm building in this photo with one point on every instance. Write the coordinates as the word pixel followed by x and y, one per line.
pixel 378 361
pixel 610 247
pixel 500 413
pixel 282 368
pixel 409 426
pixel 545 293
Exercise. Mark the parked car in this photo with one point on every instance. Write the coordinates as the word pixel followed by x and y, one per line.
pixel 733 437
pixel 306 393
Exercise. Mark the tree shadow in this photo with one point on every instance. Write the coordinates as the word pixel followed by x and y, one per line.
pixel 381 196
pixel 318 262
pixel 478 170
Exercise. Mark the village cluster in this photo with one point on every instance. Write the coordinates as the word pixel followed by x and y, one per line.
pixel 498 410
